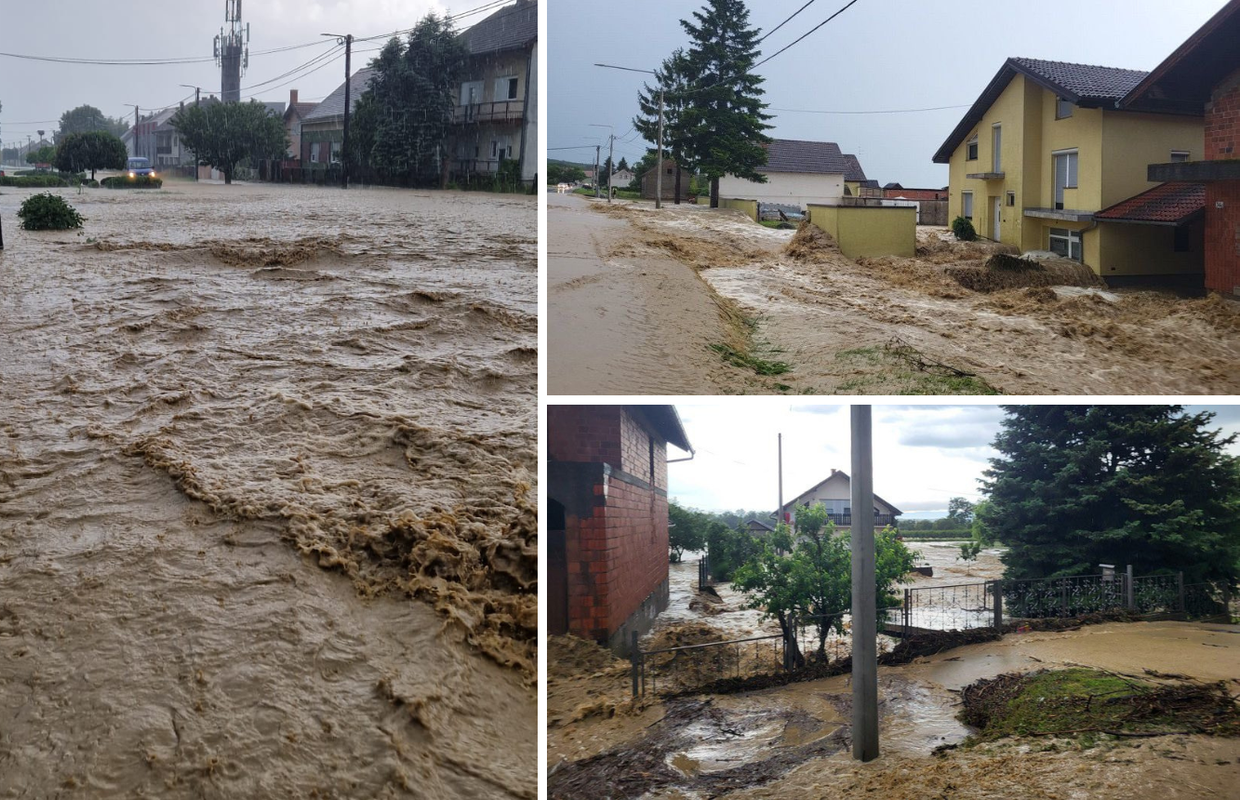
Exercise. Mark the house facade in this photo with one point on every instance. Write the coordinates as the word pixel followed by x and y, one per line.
pixel 607 522
pixel 496 117
pixel 1202 77
pixel 797 173
pixel 650 182
pixel 1046 148
pixel 322 128
pixel 293 118
pixel 835 494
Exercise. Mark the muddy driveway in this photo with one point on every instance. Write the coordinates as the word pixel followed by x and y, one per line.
pixel 267 502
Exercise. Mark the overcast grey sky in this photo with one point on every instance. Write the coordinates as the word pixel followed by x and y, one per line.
pixel 923 454
pixel 35 94
pixel 879 55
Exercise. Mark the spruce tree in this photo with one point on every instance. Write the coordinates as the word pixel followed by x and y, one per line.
pixel 674 78
pixel 1151 486
pixel 723 119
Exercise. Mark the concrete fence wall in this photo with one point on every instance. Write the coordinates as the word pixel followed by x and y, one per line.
pixel 869 231
pixel 747 207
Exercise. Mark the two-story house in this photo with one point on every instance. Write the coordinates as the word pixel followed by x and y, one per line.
pixel 293 118
pixel 1202 77
pixel 835 494
pixel 322 128
pixel 496 118
pixel 797 173
pixel 1046 147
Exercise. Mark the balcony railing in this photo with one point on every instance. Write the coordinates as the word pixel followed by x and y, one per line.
pixel 502 111
pixel 880 520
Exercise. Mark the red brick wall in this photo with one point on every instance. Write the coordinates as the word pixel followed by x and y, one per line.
pixel 617 556
pixel 1222 254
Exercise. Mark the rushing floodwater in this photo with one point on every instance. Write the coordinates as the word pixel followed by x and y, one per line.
pixel 240 428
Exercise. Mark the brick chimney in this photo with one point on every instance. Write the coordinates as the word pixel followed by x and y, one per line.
pixel 292 97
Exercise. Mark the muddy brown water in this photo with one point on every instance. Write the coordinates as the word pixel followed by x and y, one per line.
pixel 267 502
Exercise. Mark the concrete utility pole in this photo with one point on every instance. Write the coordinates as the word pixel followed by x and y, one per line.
pixel 597 152
pixel 611 159
pixel 347 40
pixel 780 514
pixel 864 611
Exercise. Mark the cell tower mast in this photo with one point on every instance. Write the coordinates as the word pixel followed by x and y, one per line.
pixel 232 52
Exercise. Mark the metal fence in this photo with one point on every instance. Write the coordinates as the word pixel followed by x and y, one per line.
pixel 955 607
pixel 1063 597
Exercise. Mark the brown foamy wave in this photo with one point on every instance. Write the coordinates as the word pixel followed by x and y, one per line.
pixel 247 252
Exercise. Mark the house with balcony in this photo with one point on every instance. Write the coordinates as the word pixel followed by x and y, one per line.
pixel 1048 146
pixel 1202 78
pixel 835 494
pixel 496 116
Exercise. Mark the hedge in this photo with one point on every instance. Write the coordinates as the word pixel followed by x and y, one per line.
pixel 34 181
pixel 126 182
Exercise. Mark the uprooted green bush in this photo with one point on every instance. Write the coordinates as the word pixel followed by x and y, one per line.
pixel 48 212
pixel 964 230
pixel 126 182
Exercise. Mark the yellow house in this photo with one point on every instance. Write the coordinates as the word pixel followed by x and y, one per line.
pixel 1045 149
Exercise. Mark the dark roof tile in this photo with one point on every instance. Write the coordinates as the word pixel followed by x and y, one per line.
pixel 855 172
pixel 332 106
pixel 791 155
pixel 511 28
pixel 1168 204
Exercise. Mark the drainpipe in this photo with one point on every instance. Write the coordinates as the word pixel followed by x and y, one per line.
pixel 692 453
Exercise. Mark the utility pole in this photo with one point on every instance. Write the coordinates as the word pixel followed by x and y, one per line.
pixel 135 132
pixel 658 191
pixel 780 514
pixel 597 151
pixel 347 40
pixel 197 98
pixel 611 159
pixel 864 611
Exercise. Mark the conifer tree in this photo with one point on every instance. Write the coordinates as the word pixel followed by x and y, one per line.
pixel 1151 486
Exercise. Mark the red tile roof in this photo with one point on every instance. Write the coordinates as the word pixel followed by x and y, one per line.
pixel 1168 204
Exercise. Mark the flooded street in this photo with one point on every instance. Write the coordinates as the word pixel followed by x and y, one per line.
pixel 267 495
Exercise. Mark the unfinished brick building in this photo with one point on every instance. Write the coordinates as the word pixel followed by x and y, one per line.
pixel 1203 77
pixel 607 518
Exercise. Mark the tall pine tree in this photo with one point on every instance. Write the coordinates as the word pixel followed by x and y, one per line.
pixel 1151 486
pixel 723 119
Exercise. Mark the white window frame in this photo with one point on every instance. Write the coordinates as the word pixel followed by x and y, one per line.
pixel 505 85
pixel 314 152
pixel 996 141
pixel 477 86
pixel 334 150
pixel 1180 156
pixel 971 149
pixel 1060 103
pixel 1072 172
pixel 966 205
pixel 1073 241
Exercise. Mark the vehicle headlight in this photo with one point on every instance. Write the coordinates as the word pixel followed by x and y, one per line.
pixel 132 175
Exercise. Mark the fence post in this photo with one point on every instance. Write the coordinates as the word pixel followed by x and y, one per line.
pixel 908 612
pixel 998 589
pixel 1179 585
pixel 635 658
pixel 1063 597
pixel 1130 590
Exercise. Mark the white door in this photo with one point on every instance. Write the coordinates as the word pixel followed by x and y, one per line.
pixel 997 209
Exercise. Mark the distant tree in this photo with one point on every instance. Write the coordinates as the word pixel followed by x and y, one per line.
pixel 675 78
pixel 728 548
pixel 222 135
pixel 687 531
pixel 960 512
pixel 85 119
pixel 44 155
pixel 90 151
pixel 622 166
pixel 1151 486
pixel 722 123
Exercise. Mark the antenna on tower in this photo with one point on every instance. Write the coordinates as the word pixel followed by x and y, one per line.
pixel 232 52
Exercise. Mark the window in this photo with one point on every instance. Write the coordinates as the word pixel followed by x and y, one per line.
pixel 335 152
pixel 1063 108
pixel 966 205
pixel 494 149
pixel 997 141
pixel 972 155
pixel 1065 166
pixel 1179 155
pixel 1066 243
pixel 1011 198
pixel 314 152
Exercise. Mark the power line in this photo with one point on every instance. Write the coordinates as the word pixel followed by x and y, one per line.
pixel 142 62
pixel 891 111
pixel 811 30
pixel 785 22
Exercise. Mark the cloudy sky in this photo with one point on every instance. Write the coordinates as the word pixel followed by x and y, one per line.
pixel 34 94
pixel 879 55
pixel 923 455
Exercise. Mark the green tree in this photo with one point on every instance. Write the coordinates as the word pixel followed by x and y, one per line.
pixel 623 165
pixel 722 121
pixel 687 531
pixel 44 155
pixel 960 512
pixel 1151 486
pixel 728 548
pixel 675 77
pixel 811 577
pixel 223 135
pixel 90 151
pixel 409 104
pixel 85 119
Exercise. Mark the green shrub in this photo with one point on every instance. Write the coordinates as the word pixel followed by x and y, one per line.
pixel 48 212
pixel 33 181
pixel 126 182
pixel 963 229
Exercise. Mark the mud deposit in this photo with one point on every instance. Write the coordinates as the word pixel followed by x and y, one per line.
pixel 1042 331
pixel 267 514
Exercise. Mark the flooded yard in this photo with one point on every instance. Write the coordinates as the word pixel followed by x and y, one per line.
pixel 267 495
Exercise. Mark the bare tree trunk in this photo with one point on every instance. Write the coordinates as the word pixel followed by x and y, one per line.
pixel 714 192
